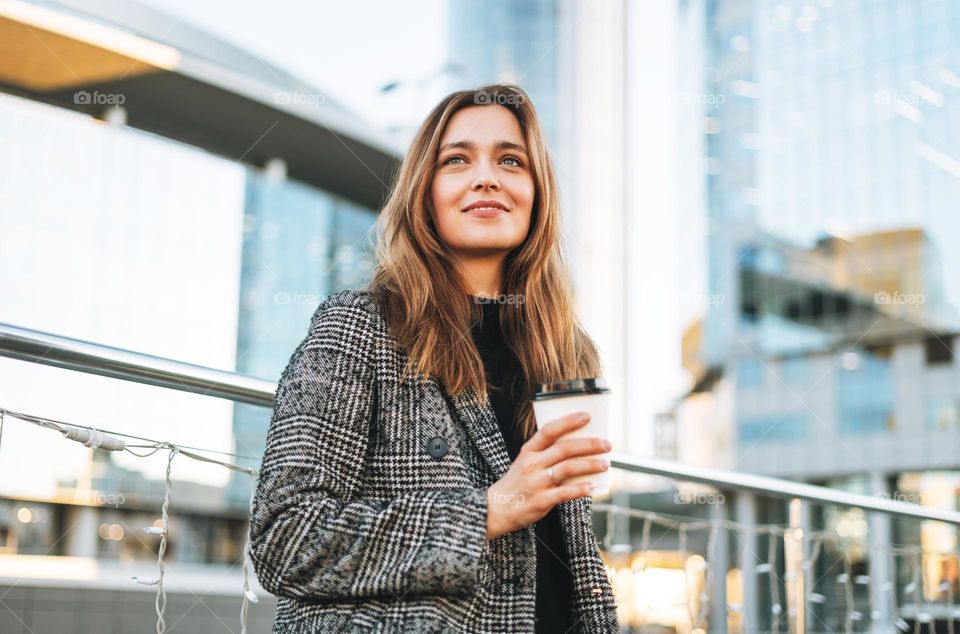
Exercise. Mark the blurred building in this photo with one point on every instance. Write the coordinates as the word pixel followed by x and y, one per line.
pixel 513 42
pixel 120 125
pixel 827 347
pixel 565 54
pixel 609 118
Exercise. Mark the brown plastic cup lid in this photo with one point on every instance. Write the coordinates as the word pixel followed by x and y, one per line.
pixel 574 387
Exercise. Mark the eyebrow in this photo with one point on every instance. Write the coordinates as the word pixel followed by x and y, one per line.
pixel 470 145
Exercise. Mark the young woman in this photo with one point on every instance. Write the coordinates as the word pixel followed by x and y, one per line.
pixel 405 486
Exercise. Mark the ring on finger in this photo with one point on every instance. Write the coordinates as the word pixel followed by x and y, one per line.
pixel 552 477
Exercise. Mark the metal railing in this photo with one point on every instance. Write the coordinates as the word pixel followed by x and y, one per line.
pixel 94 358
pixel 83 356
pixel 779 488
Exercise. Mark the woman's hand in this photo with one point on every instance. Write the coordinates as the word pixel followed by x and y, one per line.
pixel 526 492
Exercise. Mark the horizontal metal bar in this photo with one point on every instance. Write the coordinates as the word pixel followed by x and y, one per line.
pixel 74 354
pixel 776 487
pixel 93 358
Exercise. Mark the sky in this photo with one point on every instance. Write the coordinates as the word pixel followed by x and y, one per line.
pixel 348 50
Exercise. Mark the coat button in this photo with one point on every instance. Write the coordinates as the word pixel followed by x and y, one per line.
pixel 437 446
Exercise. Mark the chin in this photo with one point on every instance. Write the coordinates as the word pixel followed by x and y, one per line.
pixel 487 247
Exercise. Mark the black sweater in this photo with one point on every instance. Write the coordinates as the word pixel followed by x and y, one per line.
pixel 554 582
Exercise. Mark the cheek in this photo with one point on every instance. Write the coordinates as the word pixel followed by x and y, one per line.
pixel 524 192
pixel 444 194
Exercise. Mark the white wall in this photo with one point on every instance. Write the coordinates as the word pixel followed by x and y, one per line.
pixel 623 203
pixel 121 238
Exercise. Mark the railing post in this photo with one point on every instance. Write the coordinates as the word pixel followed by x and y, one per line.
pixel 806 523
pixel 747 516
pixel 879 531
pixel 621 522
pixel 794 558
pixel 719 565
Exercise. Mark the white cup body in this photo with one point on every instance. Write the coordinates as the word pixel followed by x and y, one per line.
pixel 597 405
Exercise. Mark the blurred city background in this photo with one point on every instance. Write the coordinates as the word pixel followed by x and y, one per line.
pixel 761 204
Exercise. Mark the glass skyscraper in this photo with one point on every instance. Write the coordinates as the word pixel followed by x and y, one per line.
pixel 299 245
pixel 833 178
pixel 832 136
pixel 516 42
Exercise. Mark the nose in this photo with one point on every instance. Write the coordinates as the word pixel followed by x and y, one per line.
pixel 485 179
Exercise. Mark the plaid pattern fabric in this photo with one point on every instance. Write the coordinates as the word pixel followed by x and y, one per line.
pixel 356 527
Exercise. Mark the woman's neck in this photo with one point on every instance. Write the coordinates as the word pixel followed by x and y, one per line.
pixel 483 275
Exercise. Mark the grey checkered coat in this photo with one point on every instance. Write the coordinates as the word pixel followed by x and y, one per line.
pixel 357 528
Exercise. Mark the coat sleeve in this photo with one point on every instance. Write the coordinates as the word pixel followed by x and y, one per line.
pixel 311 537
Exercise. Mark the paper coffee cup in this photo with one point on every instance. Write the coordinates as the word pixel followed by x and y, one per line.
pixel 555 400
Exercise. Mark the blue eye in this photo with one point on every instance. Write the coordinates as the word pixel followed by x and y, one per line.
pixel 447 161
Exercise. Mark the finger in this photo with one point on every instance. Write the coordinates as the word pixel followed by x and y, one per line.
pixel 566 492
pixel 549 433
pixel 579 466
pixel 571 447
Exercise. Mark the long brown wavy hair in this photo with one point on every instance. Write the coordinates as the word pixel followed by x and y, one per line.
pixel 424 299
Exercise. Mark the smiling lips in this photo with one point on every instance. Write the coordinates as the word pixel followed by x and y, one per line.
pixel 485 208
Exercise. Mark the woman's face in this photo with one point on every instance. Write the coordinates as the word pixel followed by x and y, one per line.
pixel 482 158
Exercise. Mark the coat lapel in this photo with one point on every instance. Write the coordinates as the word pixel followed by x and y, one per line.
pixel 588 573
pixel 476 416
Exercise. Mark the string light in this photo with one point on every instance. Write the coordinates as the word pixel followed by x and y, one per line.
pixel 898 621
pixel 96 438
pixel 775 608
pixel 810 565
pixel 104 439
pixel 645 539
pixel 248 595
pixel 852 618
pixel 608 533
pixel 921 617
pixel 710 575
pixel 844 579
pixel 682 546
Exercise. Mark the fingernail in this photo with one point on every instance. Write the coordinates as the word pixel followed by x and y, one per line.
pixel 607 445
pixel 583 417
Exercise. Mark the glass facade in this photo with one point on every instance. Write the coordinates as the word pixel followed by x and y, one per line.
pixel 832 180
pixel 832 183
pixel 299 245
pixel 504 41
pixel 865 392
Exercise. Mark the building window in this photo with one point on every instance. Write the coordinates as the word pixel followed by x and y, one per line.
pixel 943 414
pixel 865 392
pixel 749 373
pixel 793 370
pixel 939 350
pixel 771 428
